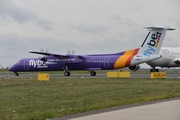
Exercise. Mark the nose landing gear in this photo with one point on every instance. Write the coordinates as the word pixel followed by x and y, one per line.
pixel 16 73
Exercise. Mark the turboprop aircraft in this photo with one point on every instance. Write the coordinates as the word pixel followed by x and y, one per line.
pixel 148 51
pixel 170 58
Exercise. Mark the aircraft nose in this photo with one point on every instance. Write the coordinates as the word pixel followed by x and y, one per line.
pixel 12 68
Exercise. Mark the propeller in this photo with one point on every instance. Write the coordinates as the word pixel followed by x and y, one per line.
pixel 43 57
pixel 68 52
pixel 72 52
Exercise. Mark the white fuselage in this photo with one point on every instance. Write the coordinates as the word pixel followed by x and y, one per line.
pixel 170 58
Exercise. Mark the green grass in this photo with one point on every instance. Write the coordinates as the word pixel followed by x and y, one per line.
pixel 3 70
pixel 29 99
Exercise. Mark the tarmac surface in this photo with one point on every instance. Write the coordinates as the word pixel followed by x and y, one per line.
pixel 34 75
pixel 158 110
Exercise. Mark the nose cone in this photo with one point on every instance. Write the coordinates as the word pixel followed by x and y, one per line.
pixel 12 68
pixel 16 68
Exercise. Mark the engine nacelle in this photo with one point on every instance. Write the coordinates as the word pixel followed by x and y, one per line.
pixel 134 67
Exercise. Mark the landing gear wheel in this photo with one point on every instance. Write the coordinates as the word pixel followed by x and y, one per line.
pixel 93 73
pixel 16 74
pixel 154 70
pixel 67 73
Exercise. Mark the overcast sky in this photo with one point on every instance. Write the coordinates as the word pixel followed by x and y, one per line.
pixel 85 26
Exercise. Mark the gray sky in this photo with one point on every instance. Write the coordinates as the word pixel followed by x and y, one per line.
pixel 86 26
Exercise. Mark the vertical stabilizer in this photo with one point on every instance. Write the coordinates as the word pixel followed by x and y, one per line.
pixel 153 41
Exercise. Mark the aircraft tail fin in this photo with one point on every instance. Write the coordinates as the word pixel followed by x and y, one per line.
pixel 153 41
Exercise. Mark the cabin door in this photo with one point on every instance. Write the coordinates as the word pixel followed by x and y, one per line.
pixel 106 62
pixel 26 65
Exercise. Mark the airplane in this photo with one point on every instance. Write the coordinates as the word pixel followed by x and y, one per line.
pixel 148 51
pixel 170 58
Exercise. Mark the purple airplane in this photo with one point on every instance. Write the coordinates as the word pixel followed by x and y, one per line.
pixel 149 50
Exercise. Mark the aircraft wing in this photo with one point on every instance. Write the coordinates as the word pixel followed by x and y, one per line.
pixel 55 55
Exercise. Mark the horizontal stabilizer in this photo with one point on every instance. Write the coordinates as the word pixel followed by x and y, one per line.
pixel 159 28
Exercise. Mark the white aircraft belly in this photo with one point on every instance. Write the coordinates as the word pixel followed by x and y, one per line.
pixel 161 62
pixel 173 64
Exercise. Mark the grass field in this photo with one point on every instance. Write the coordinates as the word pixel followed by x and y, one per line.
pixel 29 99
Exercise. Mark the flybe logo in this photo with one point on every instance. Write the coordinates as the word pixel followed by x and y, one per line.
pixel 37 63
pixel 153 43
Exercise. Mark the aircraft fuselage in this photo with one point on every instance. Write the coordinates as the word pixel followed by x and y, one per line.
pixel 61 64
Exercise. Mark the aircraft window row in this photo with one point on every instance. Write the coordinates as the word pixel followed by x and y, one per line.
pixel 96 61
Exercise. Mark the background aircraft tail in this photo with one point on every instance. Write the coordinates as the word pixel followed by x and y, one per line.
pixel 153 41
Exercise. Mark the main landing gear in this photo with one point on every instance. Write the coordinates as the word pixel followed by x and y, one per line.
pixel 93 73
pixel 67 73
pixel 154 70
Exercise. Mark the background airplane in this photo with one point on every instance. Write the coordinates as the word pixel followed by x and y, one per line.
pixel 170 58
pixel 148 51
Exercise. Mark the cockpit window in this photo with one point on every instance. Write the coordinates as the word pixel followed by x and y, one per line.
pixel 18 62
